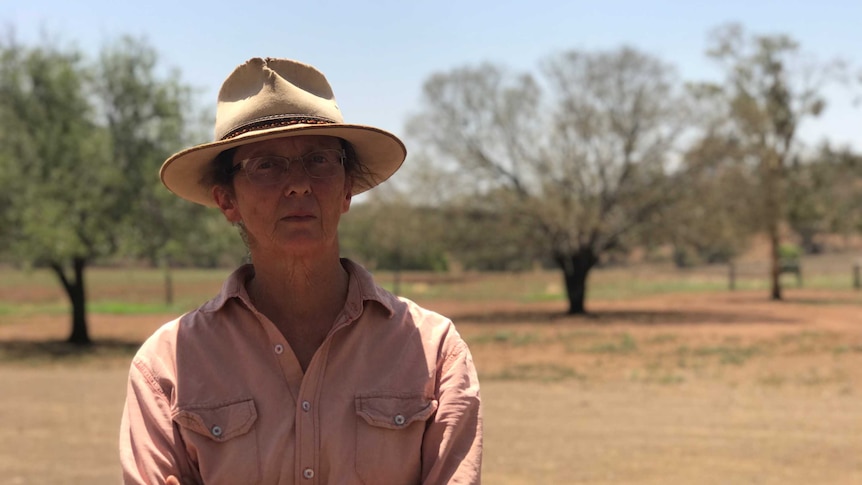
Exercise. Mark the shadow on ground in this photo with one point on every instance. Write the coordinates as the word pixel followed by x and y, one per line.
pixel 622 317
pixel 60 351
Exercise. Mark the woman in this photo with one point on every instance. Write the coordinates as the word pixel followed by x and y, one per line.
pixel 302 369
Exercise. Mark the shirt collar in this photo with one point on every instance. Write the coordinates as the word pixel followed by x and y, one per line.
pixel 361 289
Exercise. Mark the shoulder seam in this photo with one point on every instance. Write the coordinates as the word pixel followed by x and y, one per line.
pixel 150 377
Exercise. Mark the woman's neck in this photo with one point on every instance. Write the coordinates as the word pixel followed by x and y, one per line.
pixel 299 291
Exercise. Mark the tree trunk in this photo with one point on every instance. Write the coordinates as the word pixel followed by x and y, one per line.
pixel 774 174
pixel 775 273
pixel 576 266
pixel 75 291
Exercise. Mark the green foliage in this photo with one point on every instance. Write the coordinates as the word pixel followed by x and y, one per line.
pixel 82 144
pixel 823 196
pixel 80 148
pixel 148 117
pixel 789 252
pixel 393 235
pixel 769 89
pixel 60 184
pixel 717 210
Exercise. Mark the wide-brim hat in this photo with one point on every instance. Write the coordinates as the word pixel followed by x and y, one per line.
pixel 267 98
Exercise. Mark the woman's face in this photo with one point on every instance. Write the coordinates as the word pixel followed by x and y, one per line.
pixel 297 216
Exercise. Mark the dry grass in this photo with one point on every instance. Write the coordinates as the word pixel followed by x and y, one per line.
pixel 661 388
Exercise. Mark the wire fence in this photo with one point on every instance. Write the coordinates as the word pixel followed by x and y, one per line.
pixel 827 271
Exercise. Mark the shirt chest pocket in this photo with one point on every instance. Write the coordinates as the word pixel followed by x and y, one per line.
pixel 389 432
pixel 222 439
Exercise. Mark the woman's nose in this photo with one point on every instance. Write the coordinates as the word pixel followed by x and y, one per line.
pixel 297 180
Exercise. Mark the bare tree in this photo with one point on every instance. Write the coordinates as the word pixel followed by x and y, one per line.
pixel 580 157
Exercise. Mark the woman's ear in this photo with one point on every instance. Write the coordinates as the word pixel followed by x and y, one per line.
pixel 225 201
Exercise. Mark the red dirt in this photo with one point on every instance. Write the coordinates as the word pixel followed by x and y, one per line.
pixel 712 388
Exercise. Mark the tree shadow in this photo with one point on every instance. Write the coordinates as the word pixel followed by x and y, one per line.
pixel 622 317
pixel 834 301
pixel 61 351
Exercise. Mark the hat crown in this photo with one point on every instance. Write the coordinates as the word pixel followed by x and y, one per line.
pixel 273 90
pixel 266 99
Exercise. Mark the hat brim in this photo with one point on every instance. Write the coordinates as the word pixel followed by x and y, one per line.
pixel 381 152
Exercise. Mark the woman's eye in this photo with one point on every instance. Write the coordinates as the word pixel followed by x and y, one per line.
pixel 266 165
pixel 316 158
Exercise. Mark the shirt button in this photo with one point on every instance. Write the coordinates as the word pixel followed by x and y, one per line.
pixel 399 419
pixel 308 473
pixel 306 406
pixel 216 431
pixel 279 348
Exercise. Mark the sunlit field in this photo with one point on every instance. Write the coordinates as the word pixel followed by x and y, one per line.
pixel 671 378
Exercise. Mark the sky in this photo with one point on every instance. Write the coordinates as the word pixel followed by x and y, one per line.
pixel 377 54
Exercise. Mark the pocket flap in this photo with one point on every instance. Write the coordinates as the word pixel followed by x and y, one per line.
pixel 394 411
pixel 219 422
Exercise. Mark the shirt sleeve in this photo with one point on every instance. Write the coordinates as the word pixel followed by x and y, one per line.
pixel 151 448
pixel 452 446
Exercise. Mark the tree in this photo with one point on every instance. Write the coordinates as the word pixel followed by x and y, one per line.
pixel 770 89
pixel 75 163
pixel 712 220
pixel 717 211
pixel 56 161
pixel 580 159
pixel 825 195
pixel 470 220
pixel 148 117
pixel 388 232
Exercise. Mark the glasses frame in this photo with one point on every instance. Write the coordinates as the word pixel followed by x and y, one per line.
pixel 342 157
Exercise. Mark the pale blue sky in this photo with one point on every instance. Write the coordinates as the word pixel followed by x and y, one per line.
pixel 377 54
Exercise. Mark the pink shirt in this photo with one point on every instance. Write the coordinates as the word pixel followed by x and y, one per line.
pixel 390 397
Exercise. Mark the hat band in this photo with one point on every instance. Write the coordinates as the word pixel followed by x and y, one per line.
pixel 275 122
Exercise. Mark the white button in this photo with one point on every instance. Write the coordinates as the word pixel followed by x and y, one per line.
pixel 399 419
pixel 279 348
pixel 216 431
pixel 308 473
pixel 306 406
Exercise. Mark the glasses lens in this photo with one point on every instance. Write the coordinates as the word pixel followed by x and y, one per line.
pixel 323 163
pixel 273 170
pixel 266 170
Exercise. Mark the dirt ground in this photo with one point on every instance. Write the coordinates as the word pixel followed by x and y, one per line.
pixel 708 389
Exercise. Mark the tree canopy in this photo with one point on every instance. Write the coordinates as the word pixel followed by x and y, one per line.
pixel 81 145
pixel 770 88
